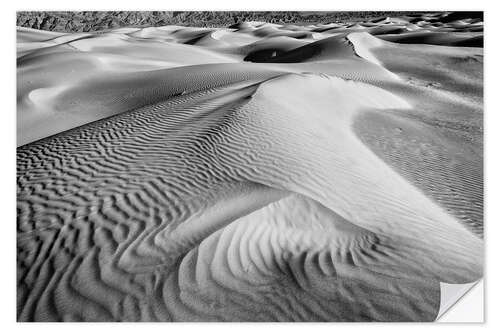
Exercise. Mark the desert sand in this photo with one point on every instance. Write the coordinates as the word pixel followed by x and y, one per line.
pixel 259 172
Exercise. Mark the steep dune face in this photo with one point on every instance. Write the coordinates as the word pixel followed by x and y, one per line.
pixel 320 188
pixel 447 100
pixel 324 49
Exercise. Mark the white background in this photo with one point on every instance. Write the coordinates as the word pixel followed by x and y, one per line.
pixel 468 305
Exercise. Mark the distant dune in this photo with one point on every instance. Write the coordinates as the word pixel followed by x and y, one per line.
pixel 259 172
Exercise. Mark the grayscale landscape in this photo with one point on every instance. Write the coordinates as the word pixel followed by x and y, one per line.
pixel 247 166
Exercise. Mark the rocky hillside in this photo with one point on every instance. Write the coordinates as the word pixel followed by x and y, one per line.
pixel 95 21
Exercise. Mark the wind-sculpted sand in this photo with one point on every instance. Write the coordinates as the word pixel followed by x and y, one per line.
pixel 252 173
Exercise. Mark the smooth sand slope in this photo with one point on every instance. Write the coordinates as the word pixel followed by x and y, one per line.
pixel 255 173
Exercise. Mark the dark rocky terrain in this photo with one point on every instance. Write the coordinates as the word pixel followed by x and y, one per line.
pixel 85 21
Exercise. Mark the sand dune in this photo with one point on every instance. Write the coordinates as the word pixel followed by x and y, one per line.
pixel 252 173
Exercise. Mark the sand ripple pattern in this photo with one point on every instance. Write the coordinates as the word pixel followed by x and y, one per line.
pixel 445 169
pixel 234 204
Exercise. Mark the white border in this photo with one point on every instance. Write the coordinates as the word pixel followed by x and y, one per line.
pixel 7 164
pixel 312 5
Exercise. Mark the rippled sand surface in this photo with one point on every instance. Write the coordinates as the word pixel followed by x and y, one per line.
pixel 259 172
